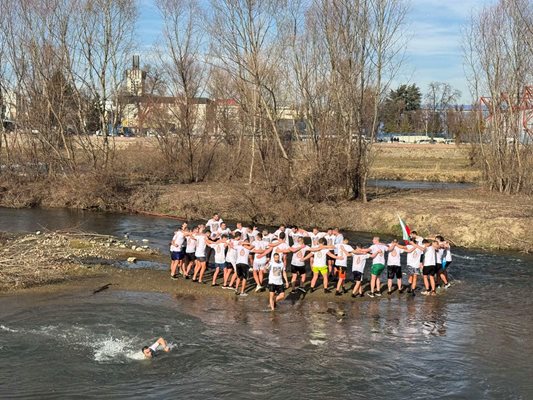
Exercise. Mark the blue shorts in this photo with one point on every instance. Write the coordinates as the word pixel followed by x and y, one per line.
pixel 219 266
pixel 177 255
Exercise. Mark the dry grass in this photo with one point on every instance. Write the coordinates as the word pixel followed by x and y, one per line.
pixel 424 162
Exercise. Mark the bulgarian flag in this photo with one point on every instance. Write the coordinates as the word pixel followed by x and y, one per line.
pixel 406 232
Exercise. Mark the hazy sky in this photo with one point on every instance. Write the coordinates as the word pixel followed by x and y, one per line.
pixel 433 52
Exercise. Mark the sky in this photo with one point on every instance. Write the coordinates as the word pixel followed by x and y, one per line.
pixel 433 52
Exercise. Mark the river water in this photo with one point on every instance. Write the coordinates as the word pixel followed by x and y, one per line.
pixel 472 342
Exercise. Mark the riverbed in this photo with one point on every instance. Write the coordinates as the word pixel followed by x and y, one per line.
pixel 471 341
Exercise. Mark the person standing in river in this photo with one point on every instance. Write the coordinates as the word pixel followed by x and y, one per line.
pixel 176 251
pixel 276 275
pixel 377 251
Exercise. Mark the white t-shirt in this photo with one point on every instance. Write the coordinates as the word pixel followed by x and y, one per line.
pixel 413 258
pixel 343 262
pixel 429 256
pixel 200 245
pixel 269 237
pixel 314 237
pixel 154 347
pixel 231 256
pixel 298 256
pixel 359 262
pixel 276 234
pixel 380 258
pixel 259 245
pixel 275 274
pixel 319 258
pixel 279 248
pixel 191 244
pixel 220 256
pixel 394 256
pixel 177 241
pixel 439 254
pixel 214 225
pixel 221 231
pixel 330 239
pixel 242 255
pixel 448 255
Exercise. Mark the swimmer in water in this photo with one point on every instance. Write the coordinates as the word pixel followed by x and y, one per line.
pixel 150 351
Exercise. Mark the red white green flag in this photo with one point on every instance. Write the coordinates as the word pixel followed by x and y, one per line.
pixel 406 232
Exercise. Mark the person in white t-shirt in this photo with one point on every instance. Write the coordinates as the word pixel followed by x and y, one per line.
pixel 298 265
pixel 231 261
pixel 279 246
pixel 358 269
pixel 413 264
pixel 276 275
pixel 268 237
pixel 342 250
pixel 223 230
pixel 150 351
pixel 444 259
pixel 219 247
pixel 260 261
pixel 176 251
pixel 394 266
pixel 190 249
pixel 314 235
pixel 430 249
pixel 214 224
pixel 281 230
pixel 320 254
pixel 330 241
pixel 377 253
pixel 243 266
pixel 200 253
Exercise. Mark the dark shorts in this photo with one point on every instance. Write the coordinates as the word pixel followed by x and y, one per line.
pixel 190 256
pixel 428 270
pixel 201 259
pixel 220 265
pixel 176 255
pixel 394 271
pixel 296 269
pixel 357 276
pixel 275 288
pixel 242 271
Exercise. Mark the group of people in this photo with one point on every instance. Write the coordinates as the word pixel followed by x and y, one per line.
pixel 236 254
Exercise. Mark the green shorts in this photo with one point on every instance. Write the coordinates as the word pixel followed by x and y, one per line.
pixel 377 269
pixel 323 270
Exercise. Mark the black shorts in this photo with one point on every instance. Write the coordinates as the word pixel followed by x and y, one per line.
pixel 201 259
pixel 190 256
pixel 357 276
pixel 428 270
pixel 297 269
pixel 275 288
pixel 176 255
pixel 394 271
pixel 242 271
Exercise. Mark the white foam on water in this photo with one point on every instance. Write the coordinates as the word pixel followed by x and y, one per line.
pixel 464 257
pixel 8 329
pixel 110 348
pixel 316 342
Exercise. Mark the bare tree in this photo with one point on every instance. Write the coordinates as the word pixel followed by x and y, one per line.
pixel 497 48
pixel 343 61
pixel 440 97
pixel 186 140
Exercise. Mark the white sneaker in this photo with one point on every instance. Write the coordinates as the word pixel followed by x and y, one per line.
pixel 258 288
pixel 424 292
pixel 447 285
pixel 243 294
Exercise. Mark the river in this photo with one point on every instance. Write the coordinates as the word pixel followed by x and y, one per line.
pixel 471 342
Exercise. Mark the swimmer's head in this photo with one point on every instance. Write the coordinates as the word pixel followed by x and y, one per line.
pixel 148 352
